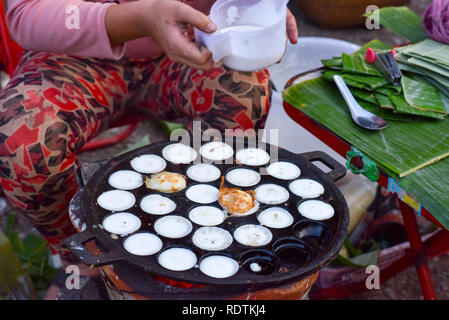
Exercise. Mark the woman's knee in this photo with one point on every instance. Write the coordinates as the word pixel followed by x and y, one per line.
pixel 34 151
pixel 240 99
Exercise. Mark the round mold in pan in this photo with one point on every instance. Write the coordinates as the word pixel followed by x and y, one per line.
pixel 337 224
pixel 116 200
pixel 148 163
pixel 316 233
pixel 212 239
pixel 216 151
pixel 125 180
pixel 202 193
pixel 177 258
pixel 206 215
pixel 292 250
pixel 179 153
pixel 252 157
pixel 306 188
pixel 253 235
pixel 219 266
pixel 316 209
pixel 173 227
pixel 242 177
pixel 121 223
pixel 157 204
pixel 284 170
pixel 203 172
pixel 271 193
pixel 143 244
pixel 275 218
pixel 260 262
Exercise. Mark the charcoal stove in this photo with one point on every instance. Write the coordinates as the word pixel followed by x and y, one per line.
pixel 135 277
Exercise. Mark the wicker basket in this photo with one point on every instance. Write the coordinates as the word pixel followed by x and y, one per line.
pixel 334 14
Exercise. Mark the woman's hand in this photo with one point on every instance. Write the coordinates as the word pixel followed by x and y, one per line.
pixel 292 27
pixel 168 22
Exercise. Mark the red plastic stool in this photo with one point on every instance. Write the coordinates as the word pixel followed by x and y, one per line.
pixel 11 51
pixel 10 55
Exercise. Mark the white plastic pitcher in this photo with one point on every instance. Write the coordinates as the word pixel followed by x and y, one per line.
pixel 251 34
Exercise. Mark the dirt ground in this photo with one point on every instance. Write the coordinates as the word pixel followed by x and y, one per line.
pixel 405 285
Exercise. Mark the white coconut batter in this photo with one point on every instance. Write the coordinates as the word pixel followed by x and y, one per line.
pixel 253 157
pixel 284 170
pixel 143 244
pixel 177 259
pixel 116 200
pixel 306 188
pixel 219 267
pixel 243 177
pixel 122 223
pixel 271 194
pixel 316 210
pixel 276 218
pixel 212 238
pixel 148 163
pixel 253 235
pixel 203 172
pixel 173 227
pixel 202 193
pixel 216 151
pixel 125 180
pixel 179 153
pixel 157 204
pixel 207 216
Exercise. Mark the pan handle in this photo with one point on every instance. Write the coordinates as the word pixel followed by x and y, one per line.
pixel 337 172
pixel 75 243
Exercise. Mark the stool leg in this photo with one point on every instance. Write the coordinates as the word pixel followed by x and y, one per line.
pixel 418 250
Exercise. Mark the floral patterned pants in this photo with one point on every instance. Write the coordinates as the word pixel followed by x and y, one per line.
pixel 55 103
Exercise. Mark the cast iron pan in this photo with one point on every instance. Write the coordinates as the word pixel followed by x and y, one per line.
pixel 282 264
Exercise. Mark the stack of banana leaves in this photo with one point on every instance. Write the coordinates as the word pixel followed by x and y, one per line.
pixel 414 148
pixel 424 88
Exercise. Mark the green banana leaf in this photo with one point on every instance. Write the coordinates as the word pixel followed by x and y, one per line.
pixel 404 150
pixel 434 67
pixel 364 95
pixel 375 44
pixel 430 50
pixel 403 147
pixel 422 95
pixel 401 106
pixel 383 113
pixel 438 81
pixel 385 91
pixel 335 63
pixel 400 20
pixel 396 89
pixel 444 91
pixel 357 81
pixel 408 67
pixel 357 64
pixel 384 101
pixel 170 126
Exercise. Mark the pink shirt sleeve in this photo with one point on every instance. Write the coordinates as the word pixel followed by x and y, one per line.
pixel 51 26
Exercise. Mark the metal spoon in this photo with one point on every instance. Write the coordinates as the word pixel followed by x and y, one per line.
pixel 360 116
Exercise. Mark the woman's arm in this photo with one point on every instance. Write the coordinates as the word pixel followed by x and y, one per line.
pixel 167 22
pixel 74 27
pixel 97 29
